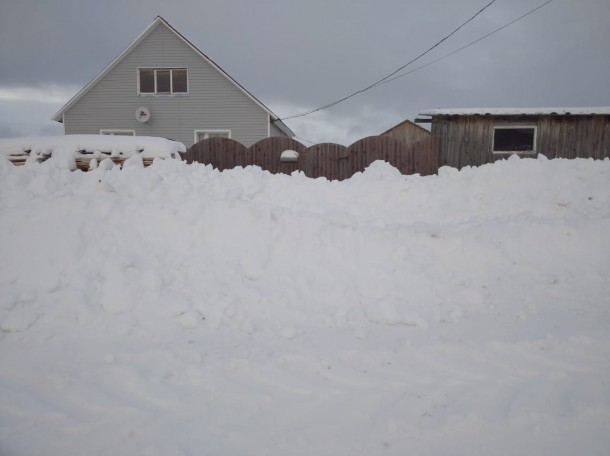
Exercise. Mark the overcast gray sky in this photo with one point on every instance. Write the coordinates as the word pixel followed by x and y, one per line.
pixel 297 55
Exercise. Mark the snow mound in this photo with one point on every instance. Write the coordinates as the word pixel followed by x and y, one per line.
pixel 63 151
pixel 176 309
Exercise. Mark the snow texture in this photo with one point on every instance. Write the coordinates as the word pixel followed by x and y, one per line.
pixel 604 110
pixel 178 310
pixel 63 150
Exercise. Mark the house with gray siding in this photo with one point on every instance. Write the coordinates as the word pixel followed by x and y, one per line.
pixel 162 85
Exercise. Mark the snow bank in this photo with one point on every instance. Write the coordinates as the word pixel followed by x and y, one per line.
pixel 584 111
pixel 178 310
pixel 62 151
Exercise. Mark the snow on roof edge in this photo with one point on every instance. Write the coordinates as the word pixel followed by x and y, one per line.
pixel 583 111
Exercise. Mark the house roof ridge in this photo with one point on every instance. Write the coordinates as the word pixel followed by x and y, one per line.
pixel 159 19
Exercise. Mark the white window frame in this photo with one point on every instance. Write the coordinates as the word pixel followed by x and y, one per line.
pixel 207 132
pixel 171 82
pixel 512 127
pixel 117 132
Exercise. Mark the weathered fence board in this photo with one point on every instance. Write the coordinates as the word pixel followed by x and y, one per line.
pixel 333 161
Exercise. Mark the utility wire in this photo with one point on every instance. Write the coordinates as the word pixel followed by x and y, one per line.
pixel 394 72
pixel 467 45
pixel 306 140
pixel 389 79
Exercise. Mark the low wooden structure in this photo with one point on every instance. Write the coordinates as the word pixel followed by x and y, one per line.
pixel 83 162
pixel 472 137
pixel 333 161
pixel 407 132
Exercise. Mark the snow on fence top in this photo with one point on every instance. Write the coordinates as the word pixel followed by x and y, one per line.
pixel 604 110
pixel 72 151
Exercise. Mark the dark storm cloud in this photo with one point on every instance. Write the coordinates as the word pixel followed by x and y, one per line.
pixel 298 55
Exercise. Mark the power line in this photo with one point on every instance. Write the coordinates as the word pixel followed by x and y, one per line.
pixel 389 78
pixel 303 139
pixel 467 45
pixel 394 72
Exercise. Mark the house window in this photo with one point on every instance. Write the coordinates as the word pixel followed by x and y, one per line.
pixel 514 139
pixel 162 81
pixel 118 132
pixel 200 135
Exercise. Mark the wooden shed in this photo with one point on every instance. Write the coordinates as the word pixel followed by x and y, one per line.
pixel 472 137
pixel 407 132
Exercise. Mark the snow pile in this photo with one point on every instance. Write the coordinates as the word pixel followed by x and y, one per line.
pixel 62 151
pixel 177 310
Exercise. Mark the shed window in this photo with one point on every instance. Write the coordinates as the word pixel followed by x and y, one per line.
pixel 514 139
pixel 162 81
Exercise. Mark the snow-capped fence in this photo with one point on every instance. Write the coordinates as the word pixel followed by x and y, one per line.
pixel 333 161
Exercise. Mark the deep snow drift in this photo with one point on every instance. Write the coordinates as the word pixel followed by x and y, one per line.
pixel 176 310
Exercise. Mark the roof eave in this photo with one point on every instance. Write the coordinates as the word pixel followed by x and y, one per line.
pixel 59 115
pixel 282 126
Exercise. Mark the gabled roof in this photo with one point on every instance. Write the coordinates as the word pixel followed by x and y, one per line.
pixel 409 123
pixel 604 110
pixel 59 115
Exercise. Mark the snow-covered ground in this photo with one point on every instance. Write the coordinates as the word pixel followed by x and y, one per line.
pixel 176 310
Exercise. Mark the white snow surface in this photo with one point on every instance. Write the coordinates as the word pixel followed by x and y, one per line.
pixel 64 149
pixel 577 111
pixel 178 310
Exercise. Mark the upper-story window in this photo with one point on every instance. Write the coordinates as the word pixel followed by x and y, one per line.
pixel 165 81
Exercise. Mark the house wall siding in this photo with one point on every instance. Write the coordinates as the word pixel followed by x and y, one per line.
pixel 468 140
pixel 213 101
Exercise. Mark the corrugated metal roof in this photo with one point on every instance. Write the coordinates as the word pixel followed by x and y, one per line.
pixel 604 110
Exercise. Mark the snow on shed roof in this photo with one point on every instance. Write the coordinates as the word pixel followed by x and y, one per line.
pixel 604 110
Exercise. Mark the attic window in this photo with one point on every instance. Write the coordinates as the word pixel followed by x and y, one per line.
pixel 514 140
pixel 162 81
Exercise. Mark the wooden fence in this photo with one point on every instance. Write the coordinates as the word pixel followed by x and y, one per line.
pixel 333 161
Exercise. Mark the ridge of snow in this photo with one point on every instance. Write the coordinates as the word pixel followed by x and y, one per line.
pixel 179 310
pixel 70 146
pixel 605 110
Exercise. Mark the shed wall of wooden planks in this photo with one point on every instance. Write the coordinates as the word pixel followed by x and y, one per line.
pixel 468 140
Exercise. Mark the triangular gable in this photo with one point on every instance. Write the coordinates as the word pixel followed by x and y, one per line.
pixel 406 122
pixel 59 115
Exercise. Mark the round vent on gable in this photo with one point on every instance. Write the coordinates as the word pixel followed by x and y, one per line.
pixel 142 114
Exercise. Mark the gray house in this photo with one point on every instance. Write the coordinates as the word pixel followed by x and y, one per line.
pixel 162 85
pixel 472 137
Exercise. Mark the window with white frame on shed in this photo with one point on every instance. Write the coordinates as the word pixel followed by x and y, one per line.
pixel 519 139
pixel 162 81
